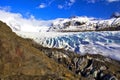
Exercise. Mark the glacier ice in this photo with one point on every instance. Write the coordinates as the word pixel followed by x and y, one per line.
pixel 106 43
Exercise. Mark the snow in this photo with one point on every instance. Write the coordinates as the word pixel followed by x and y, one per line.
pixel 84 23
pixel 106 43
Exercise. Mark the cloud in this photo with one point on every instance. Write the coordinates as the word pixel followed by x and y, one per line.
pixel 110 1
pixel 71 2
pixel 42 5
pixel 5 8
pixel 50 2
pixel 17 22
pixel 66 4
pixel 60 6
pixel 45 4
pixel 91 1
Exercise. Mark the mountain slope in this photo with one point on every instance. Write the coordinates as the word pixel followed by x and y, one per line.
pixel 19 60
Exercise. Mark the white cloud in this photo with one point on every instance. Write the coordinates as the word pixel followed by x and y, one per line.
pixel 5 8
pixel 91 1
pixel 46 4
pixel 50 2
pixel 72 0
pixel 17 22
pixel 60 6
pixel 112 1
pixel 94 1
pixel 42 5
pixel 67 4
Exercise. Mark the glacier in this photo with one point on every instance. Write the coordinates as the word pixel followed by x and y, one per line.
pixel 48 33
pixel 106 43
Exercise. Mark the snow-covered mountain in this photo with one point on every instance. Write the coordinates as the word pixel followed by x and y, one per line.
pixel 104 43
pixel 85 24
pixel 18 23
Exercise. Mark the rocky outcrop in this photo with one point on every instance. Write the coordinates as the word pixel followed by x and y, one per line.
pixel 115 15
pixel 90 67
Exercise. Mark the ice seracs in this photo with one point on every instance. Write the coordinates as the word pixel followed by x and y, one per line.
pixel 104 43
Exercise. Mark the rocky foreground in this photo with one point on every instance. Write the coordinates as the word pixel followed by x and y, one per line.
pixel 88 67
pixel 23 59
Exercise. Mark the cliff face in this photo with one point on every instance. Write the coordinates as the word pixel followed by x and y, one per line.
pixel 20 60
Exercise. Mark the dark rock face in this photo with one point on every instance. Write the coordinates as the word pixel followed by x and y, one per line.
pixel 90 67
pixel 115 15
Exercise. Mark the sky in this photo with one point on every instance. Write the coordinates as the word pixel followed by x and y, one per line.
pixel 52 9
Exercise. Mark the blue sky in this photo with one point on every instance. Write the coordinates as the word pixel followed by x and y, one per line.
pixel 51 9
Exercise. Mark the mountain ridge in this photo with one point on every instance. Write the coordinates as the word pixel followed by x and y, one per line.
pixel 78 24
